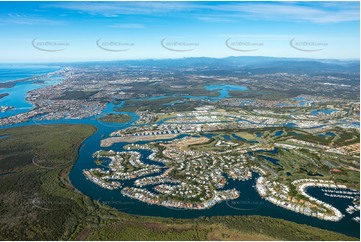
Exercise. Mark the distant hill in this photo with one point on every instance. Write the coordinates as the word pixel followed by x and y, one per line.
pixel 254 64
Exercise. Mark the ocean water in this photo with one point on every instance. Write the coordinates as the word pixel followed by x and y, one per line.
pixel 15 72
pixel 17 93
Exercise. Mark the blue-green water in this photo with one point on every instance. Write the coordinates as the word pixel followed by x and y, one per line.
pixel 302 101
pixel 245 140
pixel 324 111
pixel 249 203
pixel 278 133
pixel 224 89
pixel 16 72
pixel 17 93
pixel 270 159
pixel 328 133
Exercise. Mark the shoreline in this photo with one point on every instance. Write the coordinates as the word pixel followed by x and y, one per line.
pixel 265 192
pixel 12 83
pixel 131 139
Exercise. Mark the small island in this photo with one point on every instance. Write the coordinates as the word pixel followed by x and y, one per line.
pixel 3 95
pixel 116 118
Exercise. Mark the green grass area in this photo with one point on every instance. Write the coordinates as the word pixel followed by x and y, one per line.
pixel 138 230
pixel 167 89
pixel 165 115
pixel 312 162
pixel 263 95
pixel 245 135
pixel 274 228
pixel 141 105
pixel 157 105
pixel 116 118
pixel 347 138
pixel 9 84
pixel 77 95
pixel 307 162
pixel 207 228
pixel 37 201
pixel 342 137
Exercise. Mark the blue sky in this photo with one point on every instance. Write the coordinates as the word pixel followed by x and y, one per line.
pixel 83 31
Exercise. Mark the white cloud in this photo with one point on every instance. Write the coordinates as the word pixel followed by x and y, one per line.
pixel 215 19
pixel 127 26
pixel 22 19
pixel 318 12
pixel 113 9
pixel 280 11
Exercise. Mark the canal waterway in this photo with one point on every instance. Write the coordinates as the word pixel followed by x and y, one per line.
pixel 249 202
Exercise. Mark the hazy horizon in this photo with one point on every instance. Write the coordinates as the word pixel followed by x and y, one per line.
pixel 176 58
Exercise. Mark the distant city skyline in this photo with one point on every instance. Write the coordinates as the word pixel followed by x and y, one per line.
pixel 105 31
